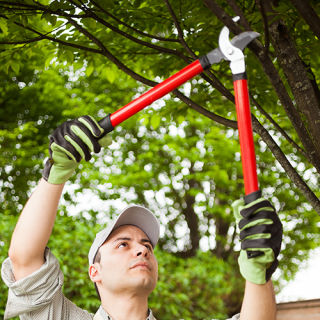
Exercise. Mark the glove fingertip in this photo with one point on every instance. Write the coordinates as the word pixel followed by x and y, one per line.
pixel 92 125
pixel 237 207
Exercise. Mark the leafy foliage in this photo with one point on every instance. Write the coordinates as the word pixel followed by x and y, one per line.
pixel 180 156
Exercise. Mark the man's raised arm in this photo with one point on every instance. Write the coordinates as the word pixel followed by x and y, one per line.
pixel 69 143
pixel 33 229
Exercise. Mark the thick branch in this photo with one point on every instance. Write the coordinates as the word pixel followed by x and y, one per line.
pixel 298 79
pixel 87 34
pixel 223 16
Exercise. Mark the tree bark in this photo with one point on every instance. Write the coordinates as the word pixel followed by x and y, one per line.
pixel 298 79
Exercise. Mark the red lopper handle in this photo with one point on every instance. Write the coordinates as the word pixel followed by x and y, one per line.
pixel 245 136
pixel 156 93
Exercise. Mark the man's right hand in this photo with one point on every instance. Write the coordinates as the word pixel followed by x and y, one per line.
pixel 69 143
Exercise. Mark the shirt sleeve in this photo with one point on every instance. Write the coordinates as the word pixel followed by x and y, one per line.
pixel 39 295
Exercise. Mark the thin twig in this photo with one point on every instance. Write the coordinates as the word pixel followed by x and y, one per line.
pixel 69 44
pixel 180 32
pixel 266 26
pixel 238 11
pixel 275 124
pixel 132 28
pixel 128 36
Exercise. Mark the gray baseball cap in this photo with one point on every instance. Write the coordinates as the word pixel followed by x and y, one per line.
pixel 134 215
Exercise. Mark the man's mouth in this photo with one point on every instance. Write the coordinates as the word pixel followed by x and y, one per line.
pixel 142 265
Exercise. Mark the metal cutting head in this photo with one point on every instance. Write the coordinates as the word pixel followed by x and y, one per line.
pixel 231 50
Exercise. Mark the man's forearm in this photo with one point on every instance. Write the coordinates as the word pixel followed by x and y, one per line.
pixel 258 302
pixel 34 228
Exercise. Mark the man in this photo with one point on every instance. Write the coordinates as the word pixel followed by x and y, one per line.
pixel 122 264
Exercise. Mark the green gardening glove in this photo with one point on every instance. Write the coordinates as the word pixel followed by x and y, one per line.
pixel 69 143
pixel 260 236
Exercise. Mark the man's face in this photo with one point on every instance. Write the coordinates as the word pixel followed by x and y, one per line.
pixel 127 262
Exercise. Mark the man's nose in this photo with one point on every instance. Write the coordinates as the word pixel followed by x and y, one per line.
pixel 141 250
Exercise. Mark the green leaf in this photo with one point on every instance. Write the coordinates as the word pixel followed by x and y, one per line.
pixel 180 119
pixel 69 56
pixel 24 20
pixel 48 61
pixel 52 19
pixel 89 70
pixel 155 121
pixel 15 66
pixel 109 73
pixel 3 26
pixel 90 23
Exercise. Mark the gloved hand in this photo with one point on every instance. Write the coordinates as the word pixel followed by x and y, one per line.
pixel 69 143
pixel 260 236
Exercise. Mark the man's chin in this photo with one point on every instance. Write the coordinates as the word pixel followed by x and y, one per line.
pixel 144 284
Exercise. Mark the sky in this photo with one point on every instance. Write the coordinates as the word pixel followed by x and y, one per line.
pixel 306 284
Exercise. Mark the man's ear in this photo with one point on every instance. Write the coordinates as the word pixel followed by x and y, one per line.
pixel 94 273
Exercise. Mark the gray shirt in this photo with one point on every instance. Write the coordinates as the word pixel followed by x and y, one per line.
pixel 39 295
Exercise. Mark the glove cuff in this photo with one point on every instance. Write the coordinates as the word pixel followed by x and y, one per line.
pixel 252 196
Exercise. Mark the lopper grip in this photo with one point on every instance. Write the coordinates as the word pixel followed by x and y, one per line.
pixel 248 156
pixel 156 93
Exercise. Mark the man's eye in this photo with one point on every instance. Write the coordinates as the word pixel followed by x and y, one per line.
pixel 122 245
pixel 148 247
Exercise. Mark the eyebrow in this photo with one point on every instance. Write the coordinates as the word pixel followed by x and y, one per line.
pixel 130 239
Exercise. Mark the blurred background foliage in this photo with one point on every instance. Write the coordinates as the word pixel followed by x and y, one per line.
pixel 180 157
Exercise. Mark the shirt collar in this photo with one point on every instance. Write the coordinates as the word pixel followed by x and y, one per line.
pixel 105 315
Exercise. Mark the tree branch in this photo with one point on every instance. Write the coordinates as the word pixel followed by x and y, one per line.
pixel 238 11
pixel 23 41
pixel 275 124
pixel 65 43
pixel 39 7
pixel 266 27
pixel 298 80
pixel 206 75
pixel 131 28
pixel 130 37
pixel 180 33
pixel 286 165
pixel 205 112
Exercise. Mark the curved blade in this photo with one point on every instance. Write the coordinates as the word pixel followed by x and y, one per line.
pixel 240 41
pixel 243 39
